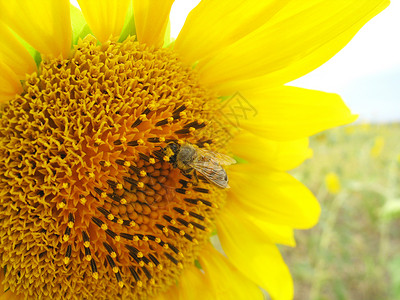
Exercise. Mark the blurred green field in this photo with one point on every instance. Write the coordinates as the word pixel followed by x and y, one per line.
pixel 354 251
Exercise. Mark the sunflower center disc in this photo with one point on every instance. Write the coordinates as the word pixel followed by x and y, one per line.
pixel 89 205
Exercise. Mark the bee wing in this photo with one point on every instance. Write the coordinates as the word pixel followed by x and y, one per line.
pixel 212 171
pixel 222 159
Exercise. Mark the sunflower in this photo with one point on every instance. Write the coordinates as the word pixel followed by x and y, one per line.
pixel 93 203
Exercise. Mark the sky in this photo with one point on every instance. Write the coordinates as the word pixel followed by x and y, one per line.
pixel 366 73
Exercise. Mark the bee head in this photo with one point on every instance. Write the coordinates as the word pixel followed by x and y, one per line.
pixel 171 151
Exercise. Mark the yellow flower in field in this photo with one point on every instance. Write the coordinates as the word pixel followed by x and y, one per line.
pixel 366 126
pixel 377 148
pixel 92 205
pixel 350 130
pixel 332 183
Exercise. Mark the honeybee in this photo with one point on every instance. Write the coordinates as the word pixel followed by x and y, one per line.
pixel 188 158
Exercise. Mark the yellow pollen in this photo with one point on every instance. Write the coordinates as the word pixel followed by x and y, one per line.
pixel 98 141
pixel 165 229
pixel 158 240
pixel 65 238
pixel 120 186
pixel 182 232
pixel 110 217
pixel 143 117
pixel 107 164
pixel 132 224
pixel 65 185
pixel 152 161
pixel 95 275
pixel 88 257
pixel 120 221
pixel 140 142
pixel 113 254
pixel 182 114
pixel 192 129
pixel 145 239
pixel 82 200
pixel 60 205
pixel 139 254
pixel 166 158
pixel 143 173
pixel 140 185
pixel 136 238
pixel 104 226
pixel 115 269
pixel 117 238
pixel 162 139
pixel 70 224
pixel 123 140
pixel 103 195
pixel 180 266
pixel 127 164
pixel 123 201
pixel 160 267
pixel 91 175
pixel 121 284
pixel 181 142
pixel 66 260
pixel 170 119
pixel 86 244
pixel 139 284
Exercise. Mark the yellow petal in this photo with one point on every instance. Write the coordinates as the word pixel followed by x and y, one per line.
pixel 266 231
pixel 14 55
pixel 192 285
pixel 277 155
pixel 45 24
pixel 213 25
pixel 287 113
pixel 9 83
pixel 260 261
pixel 151 19
pixel 224 281
pixel 296 40
pixel 105 17
pixel 274 196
